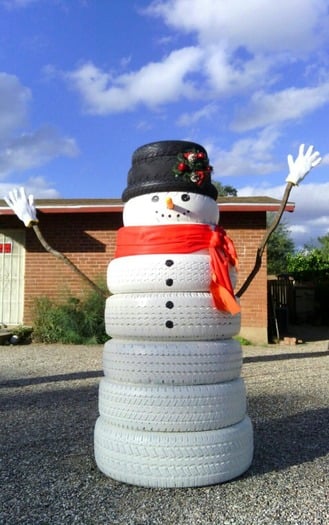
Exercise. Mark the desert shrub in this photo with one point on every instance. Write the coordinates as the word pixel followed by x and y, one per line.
pixel 70 321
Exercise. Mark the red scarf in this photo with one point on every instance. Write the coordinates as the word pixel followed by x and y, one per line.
pixel 187 238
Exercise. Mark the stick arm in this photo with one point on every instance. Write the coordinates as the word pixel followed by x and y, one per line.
pixel 266 237
pixel 23 206
pixel 298 169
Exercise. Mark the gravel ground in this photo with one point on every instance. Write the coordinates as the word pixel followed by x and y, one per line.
pixel 48 474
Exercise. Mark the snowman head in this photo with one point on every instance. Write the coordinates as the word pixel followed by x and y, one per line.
pixel 172 207
pixel 170 182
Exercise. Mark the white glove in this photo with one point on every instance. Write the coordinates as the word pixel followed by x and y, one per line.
pixel 23 206
pixel 303 164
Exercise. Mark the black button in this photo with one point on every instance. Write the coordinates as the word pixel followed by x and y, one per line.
pixel 169 262
pixel 169 282
pixel 169 304
pixel 169 324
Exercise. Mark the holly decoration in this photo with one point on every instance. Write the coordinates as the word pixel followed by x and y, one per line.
pixel 193 166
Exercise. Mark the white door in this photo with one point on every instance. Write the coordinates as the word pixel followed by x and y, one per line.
pixel 12 270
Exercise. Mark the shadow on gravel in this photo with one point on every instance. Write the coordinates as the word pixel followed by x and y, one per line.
pixel 47 425
pixel 287 441
pixel 65 401
pixel 282 357
pixel 27 381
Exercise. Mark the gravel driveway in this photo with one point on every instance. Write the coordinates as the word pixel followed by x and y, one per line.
pixel 48 474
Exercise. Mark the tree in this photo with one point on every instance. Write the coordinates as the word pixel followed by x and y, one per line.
pixel 280 246
pixel 324 242
pixel 225 191
pixel 311 264
pixel 322 245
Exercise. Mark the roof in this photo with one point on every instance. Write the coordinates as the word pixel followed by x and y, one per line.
pixel 235 204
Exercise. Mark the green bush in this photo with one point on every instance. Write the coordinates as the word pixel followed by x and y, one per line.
pixel 23 333
pixel 242 340
pixel 70 321
pixel 311 265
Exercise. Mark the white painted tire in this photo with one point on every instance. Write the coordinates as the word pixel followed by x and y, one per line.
pixel 184 316
pixel 172 362
pixel 173 459
pixel 164 408
pixel 151 273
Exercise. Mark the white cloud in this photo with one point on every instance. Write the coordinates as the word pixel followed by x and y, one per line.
pixel 37 186
pixel 252 155
pixel 325 159
pixel 34 149
pixel 17 4
pixel 14 100
pixel 285 105
pixel 237 48
pixel 195 72
pixel 297 25
pixel 154 84
pixel 298 229
pixel 206 112
pixel 310 219
pixel 227 75
pixel 20 149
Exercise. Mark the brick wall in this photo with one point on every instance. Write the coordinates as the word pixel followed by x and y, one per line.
pixel 246 229
pixel 88 240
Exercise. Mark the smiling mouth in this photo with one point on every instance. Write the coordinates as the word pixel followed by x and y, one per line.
pixel 177 212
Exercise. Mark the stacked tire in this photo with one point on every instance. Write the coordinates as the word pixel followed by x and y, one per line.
pixel 172 403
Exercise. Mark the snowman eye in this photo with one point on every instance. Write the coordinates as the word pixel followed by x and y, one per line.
pixel 185 197
pixel 155 198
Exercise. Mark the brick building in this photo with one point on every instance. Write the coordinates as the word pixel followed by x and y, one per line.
pixel 85 231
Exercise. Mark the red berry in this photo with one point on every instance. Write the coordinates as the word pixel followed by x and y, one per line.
pixel 181 166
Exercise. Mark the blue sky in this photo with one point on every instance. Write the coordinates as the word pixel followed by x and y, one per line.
pixel 83 83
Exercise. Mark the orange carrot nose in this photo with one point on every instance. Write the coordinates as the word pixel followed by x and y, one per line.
pixel 169 203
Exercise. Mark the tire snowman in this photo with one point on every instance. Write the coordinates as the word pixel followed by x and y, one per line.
pixel 172 403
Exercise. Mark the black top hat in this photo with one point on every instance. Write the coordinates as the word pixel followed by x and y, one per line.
pixel 170 165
